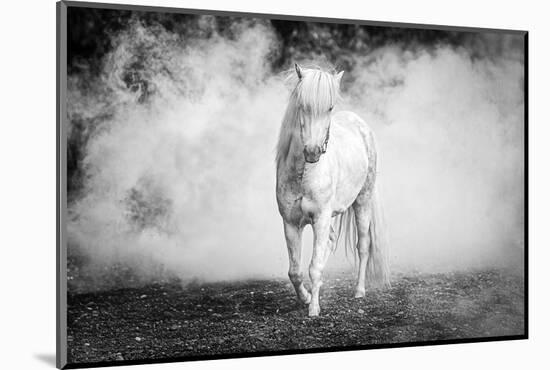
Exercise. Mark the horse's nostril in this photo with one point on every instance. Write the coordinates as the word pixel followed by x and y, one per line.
pixel 313 153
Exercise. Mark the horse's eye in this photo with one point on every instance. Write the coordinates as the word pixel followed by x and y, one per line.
pixel 331 108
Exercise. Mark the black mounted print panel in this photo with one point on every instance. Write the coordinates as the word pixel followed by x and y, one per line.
pixel 242 184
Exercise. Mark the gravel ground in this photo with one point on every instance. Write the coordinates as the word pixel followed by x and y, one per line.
pixel 164 320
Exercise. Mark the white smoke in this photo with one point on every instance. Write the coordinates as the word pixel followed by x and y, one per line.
pixel 179 165
pixel 451 135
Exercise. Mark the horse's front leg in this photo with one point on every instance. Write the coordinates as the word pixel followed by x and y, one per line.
pixel 321 251
pixel 293 235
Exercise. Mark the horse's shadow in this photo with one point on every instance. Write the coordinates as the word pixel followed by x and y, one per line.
pixel 271 304
pixel 262 299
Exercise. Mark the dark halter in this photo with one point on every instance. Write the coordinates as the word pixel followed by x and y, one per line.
pixel 325 144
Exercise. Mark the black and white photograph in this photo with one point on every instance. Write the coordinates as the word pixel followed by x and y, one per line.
pixel 238 184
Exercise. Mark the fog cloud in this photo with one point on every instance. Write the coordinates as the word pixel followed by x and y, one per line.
pixel 179 172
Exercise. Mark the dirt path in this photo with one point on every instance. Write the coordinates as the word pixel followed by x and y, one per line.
pixel 165 320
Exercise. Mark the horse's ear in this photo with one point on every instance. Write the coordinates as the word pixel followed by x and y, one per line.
pixel 298 70
pixel 339 77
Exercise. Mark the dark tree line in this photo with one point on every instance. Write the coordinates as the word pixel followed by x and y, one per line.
pixel 90 31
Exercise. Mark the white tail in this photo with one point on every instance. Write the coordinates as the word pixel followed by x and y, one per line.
pixel 378 272
pixel 348 228
pixel 378 269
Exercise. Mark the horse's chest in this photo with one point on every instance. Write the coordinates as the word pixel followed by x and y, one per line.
pixel 301 199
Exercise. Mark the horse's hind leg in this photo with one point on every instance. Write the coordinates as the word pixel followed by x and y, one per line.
pixel 362 219
pixel 293 235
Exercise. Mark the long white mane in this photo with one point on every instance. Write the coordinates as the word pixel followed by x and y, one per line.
pixel 314 94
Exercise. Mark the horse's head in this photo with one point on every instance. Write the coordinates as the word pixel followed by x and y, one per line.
pixel 315 95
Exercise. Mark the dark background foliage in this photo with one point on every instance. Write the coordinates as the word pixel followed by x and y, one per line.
pixel 89 32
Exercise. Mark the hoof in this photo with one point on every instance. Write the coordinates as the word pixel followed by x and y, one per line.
pixel 304 299
pixel 314 311
pixel 359 294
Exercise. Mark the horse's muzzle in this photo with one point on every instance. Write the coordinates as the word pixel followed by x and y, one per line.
pixel 312 156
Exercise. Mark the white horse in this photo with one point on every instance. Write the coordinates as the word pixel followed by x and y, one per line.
pixel 326 175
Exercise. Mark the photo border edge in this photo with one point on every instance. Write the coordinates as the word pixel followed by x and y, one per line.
pixel 61 185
